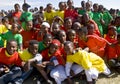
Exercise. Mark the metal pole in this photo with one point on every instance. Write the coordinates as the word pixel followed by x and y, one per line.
pixel 24 1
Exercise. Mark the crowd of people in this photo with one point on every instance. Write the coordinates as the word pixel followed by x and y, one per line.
pixel 59 43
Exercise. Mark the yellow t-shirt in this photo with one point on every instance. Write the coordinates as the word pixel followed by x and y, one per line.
pixel 60 14
pixel 25 55
pixel 4 29
pixel 49 16
pixel 87 60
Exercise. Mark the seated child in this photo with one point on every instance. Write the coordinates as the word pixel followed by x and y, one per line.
pixel 10 61
pixel 31 58
pixel 91 63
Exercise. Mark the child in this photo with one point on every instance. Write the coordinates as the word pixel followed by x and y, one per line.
pixel 91 29
pixel 55 30
pixel 91 63
pixel 5 27
pixel 32 58
pixel 49 13
pixel 112 38
pixel 98 18
pixel 9 58
pixel 70 11
pixel 45 29
pixel 26 15
pixel 67 24
pixel 73 37
pixel 86 20
pixel 45 43
pixel 28 34
pixel 14 34
pixel 95 44
pixel 17 12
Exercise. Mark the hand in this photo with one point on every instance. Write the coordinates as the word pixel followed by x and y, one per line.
pixel 72 73
pixel 27 66
pixel 45 63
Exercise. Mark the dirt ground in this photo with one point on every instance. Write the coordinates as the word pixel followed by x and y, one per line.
pixel 114 78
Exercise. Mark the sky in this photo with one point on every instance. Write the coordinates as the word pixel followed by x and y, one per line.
pixel 9 4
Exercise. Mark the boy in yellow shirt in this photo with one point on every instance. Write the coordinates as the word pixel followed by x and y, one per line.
pixel 91 63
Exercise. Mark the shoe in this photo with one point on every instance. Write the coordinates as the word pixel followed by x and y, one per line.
pixel 38 82
pixel 49 82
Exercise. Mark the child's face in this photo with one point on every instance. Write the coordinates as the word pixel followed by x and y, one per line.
pixel 53 48
pixel 95 7
pixel 62 6
pixel 70 3
pixel 29 25
pixel 33 49
pixel 62 37
pixel 76 26
pixel 49 8
pixel 11 47
pixel 82 36
pixel 56 29
pixel 72 36
pixel 69 49
pixel 44 29
pixel 47 41
pixel 15 28
pixel 68 24
pixel 90 29
pixel 17 7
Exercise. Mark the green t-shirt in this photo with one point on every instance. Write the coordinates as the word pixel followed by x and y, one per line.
pixel 107 17
pixel 9 36
pixel 1 43
pixel 118 30
pixel 26 16
pixel 81 11
pixel 41 46
pixel 97 17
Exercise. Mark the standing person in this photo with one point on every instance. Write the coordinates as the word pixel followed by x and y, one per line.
pixel 10 61
pixel 49 13
pixel 89 9
pixel 91 63
pixel 82 10
pixel 26 15
pixel 106 17
pixel 98 18
pixel 60 12
pixel 17 12
pixel 70 11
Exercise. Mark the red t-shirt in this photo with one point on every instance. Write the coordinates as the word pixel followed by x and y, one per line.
pixel 27 36
pixel 57 54
pixel 17 14
pixel 11 60
pixel 71 13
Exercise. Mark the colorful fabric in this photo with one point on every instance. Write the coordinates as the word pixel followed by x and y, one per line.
pixel 10 36
pixel 7 59
pixel 25 55
pixel 87 60
pixel 96 44
pixel 49 16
